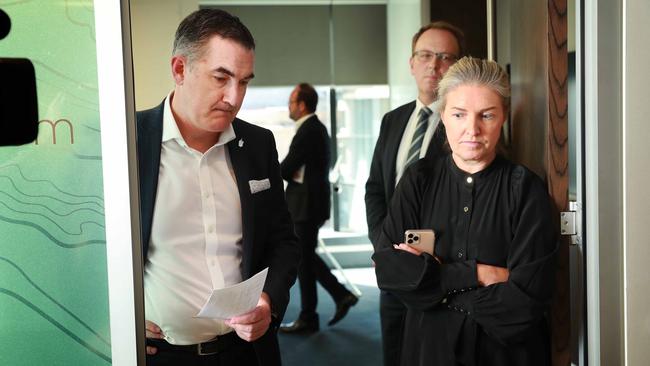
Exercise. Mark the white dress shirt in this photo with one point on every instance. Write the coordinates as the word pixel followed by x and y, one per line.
pixel 405 144
pixel 196 235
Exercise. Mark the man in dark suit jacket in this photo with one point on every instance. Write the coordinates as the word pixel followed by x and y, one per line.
pixel 212 204
pixel 306 170
pixel 435 47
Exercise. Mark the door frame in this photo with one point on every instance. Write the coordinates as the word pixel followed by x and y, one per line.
pixel 121 193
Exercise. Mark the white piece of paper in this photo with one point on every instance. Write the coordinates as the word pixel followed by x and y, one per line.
pixel 225 303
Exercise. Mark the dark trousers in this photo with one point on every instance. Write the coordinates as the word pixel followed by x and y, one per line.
pixel 393 314
pixel 241 354
pixel 311 269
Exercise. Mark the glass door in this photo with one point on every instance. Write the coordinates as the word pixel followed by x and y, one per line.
pixel 54 216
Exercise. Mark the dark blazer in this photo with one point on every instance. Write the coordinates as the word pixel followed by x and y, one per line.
pixel 268 236
pixel 310 200
pixel 381 181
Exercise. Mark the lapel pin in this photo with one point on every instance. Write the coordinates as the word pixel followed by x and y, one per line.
pixel 241 142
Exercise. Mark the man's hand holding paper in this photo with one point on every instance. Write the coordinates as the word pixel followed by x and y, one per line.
pixel 253 324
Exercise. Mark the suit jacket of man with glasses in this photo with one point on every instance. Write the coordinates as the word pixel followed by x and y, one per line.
pixel 435 48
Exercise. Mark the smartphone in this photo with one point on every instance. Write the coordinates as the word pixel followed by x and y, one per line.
pixel 422 240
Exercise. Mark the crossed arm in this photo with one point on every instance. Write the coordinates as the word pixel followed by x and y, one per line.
pixel 505 302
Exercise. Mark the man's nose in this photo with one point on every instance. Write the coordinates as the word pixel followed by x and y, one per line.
pixel 233 93
pixel 434 63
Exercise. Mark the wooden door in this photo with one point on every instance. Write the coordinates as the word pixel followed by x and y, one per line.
pixel 538 59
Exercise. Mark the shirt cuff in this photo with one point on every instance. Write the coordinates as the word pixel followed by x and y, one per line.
pixel 458 277
pixel 462 302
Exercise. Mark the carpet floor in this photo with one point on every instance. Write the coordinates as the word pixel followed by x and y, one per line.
pixel 355 340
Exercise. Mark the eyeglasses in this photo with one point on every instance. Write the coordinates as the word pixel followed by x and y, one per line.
pixel 425 56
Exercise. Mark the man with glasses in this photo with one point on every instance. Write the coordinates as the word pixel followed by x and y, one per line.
pixel 408 133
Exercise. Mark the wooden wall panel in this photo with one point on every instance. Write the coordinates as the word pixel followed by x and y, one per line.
pixel 529 75
pixel 557 170
pixel 468 15
pixel 539 69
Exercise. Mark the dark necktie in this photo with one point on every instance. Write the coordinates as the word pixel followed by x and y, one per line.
pixel 418 136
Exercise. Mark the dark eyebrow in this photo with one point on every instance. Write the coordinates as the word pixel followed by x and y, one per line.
pixel 481 111
pixel 223 70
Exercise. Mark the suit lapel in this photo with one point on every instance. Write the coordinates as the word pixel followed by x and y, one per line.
pixel 437 144
pixel 241 167
pixel 149 141
pixel 396 138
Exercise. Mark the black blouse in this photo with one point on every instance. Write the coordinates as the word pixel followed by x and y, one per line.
pixel 500 216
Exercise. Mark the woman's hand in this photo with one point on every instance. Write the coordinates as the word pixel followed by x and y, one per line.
pixel 489 275
pixel 407 248
pixel 410 249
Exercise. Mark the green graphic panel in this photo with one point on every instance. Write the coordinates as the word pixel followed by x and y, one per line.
pixel 53 277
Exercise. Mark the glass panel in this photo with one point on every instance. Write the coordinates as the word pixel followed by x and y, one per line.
pixel 268 107
pixel 359 112
pixel 53 278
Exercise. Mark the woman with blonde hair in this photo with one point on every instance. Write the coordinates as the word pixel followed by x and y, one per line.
pixel 482 298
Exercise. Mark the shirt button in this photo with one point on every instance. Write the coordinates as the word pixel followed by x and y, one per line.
pixel 465 208
pixel 460 254
pixel 469 180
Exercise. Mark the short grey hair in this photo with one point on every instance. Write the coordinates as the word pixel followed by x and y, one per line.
pixel 197 29
pixel 458 34
pixel 474 71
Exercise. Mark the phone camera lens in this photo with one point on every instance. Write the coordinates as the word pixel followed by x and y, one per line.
pixel 416 238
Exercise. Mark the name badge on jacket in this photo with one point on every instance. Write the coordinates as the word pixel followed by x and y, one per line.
pixel 259 185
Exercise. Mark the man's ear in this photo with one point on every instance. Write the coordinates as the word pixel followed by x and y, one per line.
pixel 179 66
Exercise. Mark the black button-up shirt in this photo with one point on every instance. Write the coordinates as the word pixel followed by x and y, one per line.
pixel 500 216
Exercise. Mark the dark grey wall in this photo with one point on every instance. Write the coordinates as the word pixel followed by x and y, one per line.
pixel 293 43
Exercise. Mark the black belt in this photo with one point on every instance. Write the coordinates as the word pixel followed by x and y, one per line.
pixel 211 347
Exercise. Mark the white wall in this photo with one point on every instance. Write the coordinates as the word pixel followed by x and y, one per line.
pixel 405 17
pixel 603 181
pixel 618 203
pixel 636 175
pixel 153 24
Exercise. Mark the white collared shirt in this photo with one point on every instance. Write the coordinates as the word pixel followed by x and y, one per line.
pixel 302 120
pixel 405 144
pixel 196 235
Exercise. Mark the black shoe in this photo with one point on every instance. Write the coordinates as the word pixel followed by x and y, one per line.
pixel 300 326
pixel 342 308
